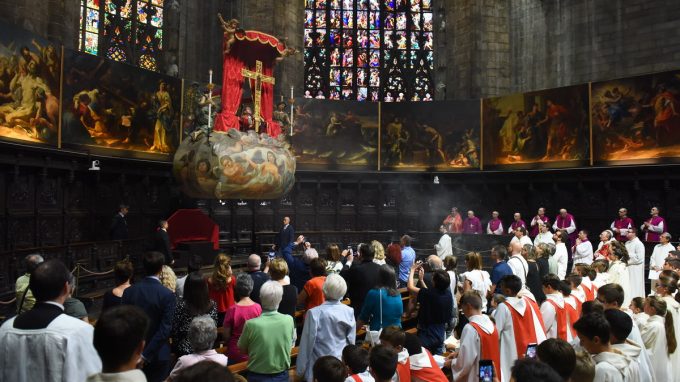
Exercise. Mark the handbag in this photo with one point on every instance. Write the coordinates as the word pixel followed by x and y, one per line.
pixel 373 336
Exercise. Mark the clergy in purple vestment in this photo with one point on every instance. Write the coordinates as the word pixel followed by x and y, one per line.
pixel 472 224
pixel 535 229
pixel 566 222
pixel 622 225
pixel 654 226
pixel 518 222
pixel 494 226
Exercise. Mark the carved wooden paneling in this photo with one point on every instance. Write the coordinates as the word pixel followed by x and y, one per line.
pixel 21 231
pixel 50 230
pixel 21 194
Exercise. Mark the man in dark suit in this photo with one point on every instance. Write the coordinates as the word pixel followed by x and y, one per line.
pixel 119 227
pixel 285 236
pixel 161 242
pixel 259 277
pixel 361 275
pixel 158 302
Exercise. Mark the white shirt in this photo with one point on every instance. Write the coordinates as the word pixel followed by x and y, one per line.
pixel 561 257
pixel 583 253
pixel 481 283
pixel 519 267
pixel 443 248
pixel 466 366
pixel 636 267
pixel 523 241
pixel 658 258
pixel 544 237
pixel 65 346
pixel 126 376
pixel 364 377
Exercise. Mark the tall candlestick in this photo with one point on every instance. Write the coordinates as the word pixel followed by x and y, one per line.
pixel 291 110
pixel 209 99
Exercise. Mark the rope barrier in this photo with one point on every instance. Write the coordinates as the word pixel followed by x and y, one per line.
pixel 12 301
pixel 94 273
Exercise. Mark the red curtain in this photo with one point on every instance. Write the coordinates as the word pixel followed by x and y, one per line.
pixel 232 90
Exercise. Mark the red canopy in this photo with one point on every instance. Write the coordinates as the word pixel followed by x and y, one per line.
pixel 192 225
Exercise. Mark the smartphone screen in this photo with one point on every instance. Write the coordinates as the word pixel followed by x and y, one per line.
pixel 531 351
pixel 485 370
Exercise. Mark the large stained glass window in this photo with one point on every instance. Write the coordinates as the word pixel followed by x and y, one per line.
pixel 376 50
pixel 123 30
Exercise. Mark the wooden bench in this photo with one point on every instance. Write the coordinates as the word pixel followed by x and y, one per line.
pixel 241 367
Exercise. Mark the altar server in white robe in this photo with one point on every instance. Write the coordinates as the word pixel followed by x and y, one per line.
pixel 636 264
pixel 618 270
pixel 621 325
pixel 658 336
pixel 561 256
pixel 611 296
pixel 594 334
pixel 519 324
pixel 666 288
pixel 554 312
pixel 44 344
pixel 479 340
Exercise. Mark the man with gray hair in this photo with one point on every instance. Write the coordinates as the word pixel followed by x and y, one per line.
pixel 25 299
pixel 268 339
pixel 259 277
pixel 328 328
pixel 202 335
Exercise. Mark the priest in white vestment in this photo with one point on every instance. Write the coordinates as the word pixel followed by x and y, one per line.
pixel 636 264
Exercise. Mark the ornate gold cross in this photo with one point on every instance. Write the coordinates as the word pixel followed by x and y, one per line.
pixel 259 78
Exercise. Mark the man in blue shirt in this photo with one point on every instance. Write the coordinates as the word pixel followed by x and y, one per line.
pixel 408 256
pixel 499 255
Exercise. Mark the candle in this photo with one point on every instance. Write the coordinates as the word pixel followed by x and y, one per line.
pixel 209 99
pixel 210 74
pixel 291 110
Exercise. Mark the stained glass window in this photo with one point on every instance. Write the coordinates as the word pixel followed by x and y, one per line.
pixel 375 50
pixel 130 31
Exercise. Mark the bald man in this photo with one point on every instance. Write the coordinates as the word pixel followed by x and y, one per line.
pixel 259 277
pixel 517 262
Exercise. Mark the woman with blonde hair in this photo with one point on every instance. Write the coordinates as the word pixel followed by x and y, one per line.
pixel 475 278
pixel 534 280
pixel 658 336
pixel 379 250
pixel 168 278
pixel 221 285
pixel 278 271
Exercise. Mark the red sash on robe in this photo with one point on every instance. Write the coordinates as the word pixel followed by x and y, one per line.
pixel 523 328
pixel 536 310
pixel 430 374
pixel 561 319
pixel 356 378
pixel 490 347
pixel 404 371
pixel 589 292
pixel 573 313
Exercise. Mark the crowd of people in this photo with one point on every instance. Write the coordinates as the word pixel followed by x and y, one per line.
pixel 551 309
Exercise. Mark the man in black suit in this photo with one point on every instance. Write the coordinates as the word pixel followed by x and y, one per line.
pixel 285 236
pixel 119 227
pixel 158 302
pixel 161 242
pixel 360 277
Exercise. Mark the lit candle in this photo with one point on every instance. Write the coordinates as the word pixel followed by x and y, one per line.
pixel 209 99
pixel 210 74
pixel 291 110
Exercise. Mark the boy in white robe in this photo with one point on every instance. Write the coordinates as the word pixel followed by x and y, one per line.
pixel 521 311
pixel 555 317
pixel 621 325
pixel 610 365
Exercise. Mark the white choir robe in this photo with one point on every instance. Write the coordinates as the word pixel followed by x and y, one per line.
pixel 465 367
pixel 636 352
pixel 498 231
pixel 363 377
pixel 658 258
pixel 601 279
pixel 506 332
pixel 635 338
pixel 523 241
pixel 618 274
pixel 640 319
pixel 562 258
pixel 579 294
pixel 636 267
pixel 612 367
pixel 544 238
pixel 674 307
pixel 444 248
pixel 583 253
pixel 550 316
pixel 61 352
pixel 654 337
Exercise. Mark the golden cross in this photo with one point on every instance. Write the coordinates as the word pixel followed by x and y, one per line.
pixel 259 78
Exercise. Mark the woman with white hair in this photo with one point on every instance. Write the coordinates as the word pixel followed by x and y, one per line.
pixel 202 336
pixel 328 328
pixel 268 339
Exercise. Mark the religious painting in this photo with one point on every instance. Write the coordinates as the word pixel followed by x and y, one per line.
pixel 335 135
pixel 542 129
pixel 637 120
pixel 111 108
pixel 234 165
pixel 433 136
pixel 30 69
